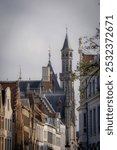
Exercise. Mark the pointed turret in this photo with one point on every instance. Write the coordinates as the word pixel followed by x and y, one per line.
pixel 66 44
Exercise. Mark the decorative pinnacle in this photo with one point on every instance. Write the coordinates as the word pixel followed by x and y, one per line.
pixel 49 54
pixel 66 29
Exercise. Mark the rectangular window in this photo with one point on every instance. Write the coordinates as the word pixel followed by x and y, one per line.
pixel 84 119
pixel 2 143
pixel 89 88
pixel 98 118
pixel 94 86
pixel 5 123
pixel 8 143
pixel 86 88
pixel 90 122
pixel 98 83
pixel 50 137
pixel 5 144
pixel 8 125
pixel 94 121
pixel 2 122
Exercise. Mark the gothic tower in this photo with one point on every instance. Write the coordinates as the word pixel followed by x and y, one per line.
pixel 67 85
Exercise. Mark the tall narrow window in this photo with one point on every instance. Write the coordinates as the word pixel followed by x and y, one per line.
pixel 94 86
pixel 89 88
pixel 66 54
pixel 5 123
pixel 84 119
pixel 94 121
pixel 2 123
pixel 70 65
pixel 98 83
pixel 49 137
pixel 5 144
pixel 66 67
pixel 71 54
pixel 2 143
pixel 98 118
pixel 90 122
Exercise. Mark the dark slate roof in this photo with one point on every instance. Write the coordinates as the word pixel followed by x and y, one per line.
pixel 54 78
pixel 57 100
pixel 66 43
pixel 33 84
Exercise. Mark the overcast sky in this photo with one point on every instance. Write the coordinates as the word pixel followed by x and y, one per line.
pixel 29 28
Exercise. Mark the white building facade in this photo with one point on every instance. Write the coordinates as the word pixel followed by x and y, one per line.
pixel 8 119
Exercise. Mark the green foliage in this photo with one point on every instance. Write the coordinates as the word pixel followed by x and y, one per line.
pixel 87 68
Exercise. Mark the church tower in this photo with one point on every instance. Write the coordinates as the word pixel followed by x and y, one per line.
pixel 67 85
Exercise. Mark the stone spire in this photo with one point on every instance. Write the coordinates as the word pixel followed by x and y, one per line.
pixel 66 44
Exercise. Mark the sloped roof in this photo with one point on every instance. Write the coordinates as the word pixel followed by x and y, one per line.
pixel 66 43
pixel 34 84
pixel 54 78
pixel 57 100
